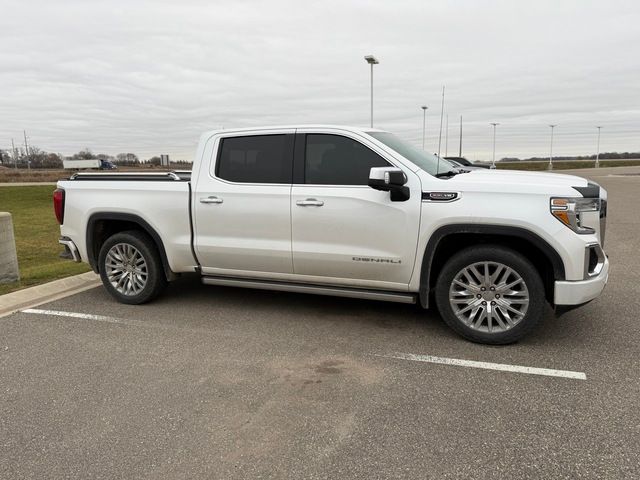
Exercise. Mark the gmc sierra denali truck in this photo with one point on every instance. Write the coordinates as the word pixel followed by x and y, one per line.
pixel 348 212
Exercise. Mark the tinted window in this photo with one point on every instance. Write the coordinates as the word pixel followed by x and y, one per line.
pixel 336 160
pixel 255 159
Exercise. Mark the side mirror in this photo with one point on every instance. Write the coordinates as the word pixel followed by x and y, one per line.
pixel 390 179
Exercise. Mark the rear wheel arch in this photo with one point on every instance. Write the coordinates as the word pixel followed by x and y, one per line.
pixel 449 239
pixel 105 224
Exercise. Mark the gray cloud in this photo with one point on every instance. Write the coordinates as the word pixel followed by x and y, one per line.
pixel 149 77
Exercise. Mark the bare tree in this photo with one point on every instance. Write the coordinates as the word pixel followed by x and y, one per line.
pixel 5 158
pixel 84 154
pixel 127 159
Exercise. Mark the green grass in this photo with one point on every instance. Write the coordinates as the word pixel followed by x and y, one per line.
pixel 36 231
pixel 564 165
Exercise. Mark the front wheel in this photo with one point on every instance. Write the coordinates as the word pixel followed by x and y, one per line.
pixel 130 267
pixel 490 294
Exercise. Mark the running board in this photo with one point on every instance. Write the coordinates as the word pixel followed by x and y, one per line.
pixel 382 295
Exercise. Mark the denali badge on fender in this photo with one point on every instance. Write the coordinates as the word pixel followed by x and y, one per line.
pixel 440 196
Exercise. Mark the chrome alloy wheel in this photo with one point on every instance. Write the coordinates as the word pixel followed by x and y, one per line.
pixel 126 269
pixel 489 297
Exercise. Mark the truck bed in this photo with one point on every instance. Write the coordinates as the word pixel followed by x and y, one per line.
pixel 160 199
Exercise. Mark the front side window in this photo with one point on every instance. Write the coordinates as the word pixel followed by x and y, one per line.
pixel 337 160
pixel 255 159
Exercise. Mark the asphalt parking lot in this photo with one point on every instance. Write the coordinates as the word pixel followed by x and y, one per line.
pixel 212 382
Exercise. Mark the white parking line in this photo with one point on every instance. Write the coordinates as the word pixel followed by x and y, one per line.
pixel 399 356
pixel 85 316
pixel 489 366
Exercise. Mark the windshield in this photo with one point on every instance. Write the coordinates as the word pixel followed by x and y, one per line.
pixel 426 161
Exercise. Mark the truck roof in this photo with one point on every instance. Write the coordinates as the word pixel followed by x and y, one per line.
pixel 290 127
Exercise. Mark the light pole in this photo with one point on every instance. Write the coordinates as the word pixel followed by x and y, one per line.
pixel 424 123
pixel 551 148
pixel 440 134
pixel 371 60
pixel 598 151
pixel 493 162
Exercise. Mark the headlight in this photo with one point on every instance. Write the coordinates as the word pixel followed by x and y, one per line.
pixel 569 211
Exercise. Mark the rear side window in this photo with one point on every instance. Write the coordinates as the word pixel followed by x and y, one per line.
pixel 337 160
pixel 256 159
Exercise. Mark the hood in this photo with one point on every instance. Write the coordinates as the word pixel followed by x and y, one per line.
pixel 514 181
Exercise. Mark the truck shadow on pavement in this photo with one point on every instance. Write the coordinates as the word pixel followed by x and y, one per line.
pixel 188 296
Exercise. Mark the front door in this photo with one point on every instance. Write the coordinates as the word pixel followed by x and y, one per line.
pixel 343 231
pixel 242 212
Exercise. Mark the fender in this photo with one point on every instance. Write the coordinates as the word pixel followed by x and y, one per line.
pixel 127 217
pixel 499 230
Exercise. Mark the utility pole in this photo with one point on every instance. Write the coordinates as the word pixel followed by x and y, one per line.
pixel 598 151
pixel 26 150
pixel 446 138
pixel 460 148
pixel 493 162
pixel 551 148
pixel 15 156
pixel 424 123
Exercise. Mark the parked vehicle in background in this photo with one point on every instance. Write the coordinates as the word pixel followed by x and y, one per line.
pixel 463 162
pixel 88 164
pixel 349 212
pixel 460 166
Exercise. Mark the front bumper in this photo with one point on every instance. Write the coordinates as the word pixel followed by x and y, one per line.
pixel 581 291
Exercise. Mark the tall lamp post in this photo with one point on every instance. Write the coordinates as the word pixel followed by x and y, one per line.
pixel 598 151
pixel 371 60
pixel 551 148
pixel 493 162
pixel 424 123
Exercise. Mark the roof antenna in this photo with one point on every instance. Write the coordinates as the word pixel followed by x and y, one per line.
pixel 440 135
pixel 460 149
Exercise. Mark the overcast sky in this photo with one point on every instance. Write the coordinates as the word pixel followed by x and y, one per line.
pixel 149 77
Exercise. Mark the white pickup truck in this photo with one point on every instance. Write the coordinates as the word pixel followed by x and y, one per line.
pixel 348 212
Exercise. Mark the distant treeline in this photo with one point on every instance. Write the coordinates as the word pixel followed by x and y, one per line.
pixel 603 156
pixel 37 158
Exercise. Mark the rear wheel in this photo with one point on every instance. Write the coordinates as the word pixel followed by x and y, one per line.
pixel 490 294
pixel 130 267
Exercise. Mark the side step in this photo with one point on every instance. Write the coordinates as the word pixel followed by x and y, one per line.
pixel 382 295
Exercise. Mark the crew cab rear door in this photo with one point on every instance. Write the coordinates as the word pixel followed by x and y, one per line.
pixel 241 206
pixel 343 231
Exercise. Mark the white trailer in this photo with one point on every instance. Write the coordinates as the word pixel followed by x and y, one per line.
pixel 80 164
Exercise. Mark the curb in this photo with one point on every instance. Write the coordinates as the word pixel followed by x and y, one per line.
pixel 48 292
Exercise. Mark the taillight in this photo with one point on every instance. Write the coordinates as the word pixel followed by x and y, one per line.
pixel 58 204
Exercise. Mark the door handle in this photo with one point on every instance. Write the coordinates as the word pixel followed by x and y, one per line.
pixel 310 202
pixel 211 199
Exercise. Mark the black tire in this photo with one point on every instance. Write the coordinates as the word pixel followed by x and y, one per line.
pixel 500 255
pixel 155 277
